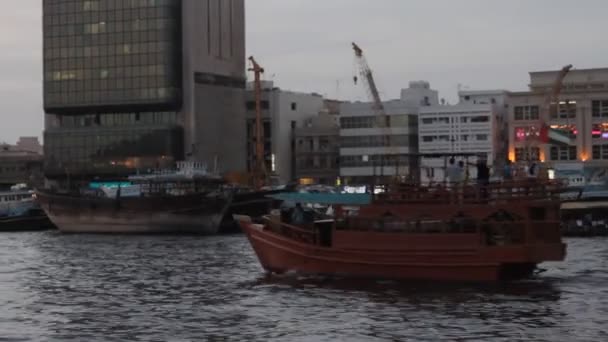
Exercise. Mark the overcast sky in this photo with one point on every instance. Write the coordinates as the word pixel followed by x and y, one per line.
pixel 305 45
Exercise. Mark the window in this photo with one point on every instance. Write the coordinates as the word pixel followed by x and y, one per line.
pixel 600 152
pixel 480 119
pixel 527 154
pixel 481 137
pixel 565 110
pixel 526 113
pixel 252 106
pixel 294 106
pixel 599 109
pixel 563 153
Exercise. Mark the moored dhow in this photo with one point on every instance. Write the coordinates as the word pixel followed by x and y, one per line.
pixel 462 233
pixel 160 203
pixel 20 212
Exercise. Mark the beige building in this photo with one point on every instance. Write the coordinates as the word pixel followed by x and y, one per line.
pixel 578 141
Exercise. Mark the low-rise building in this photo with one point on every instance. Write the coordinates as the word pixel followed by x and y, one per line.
pixel 282 113
pixel 577 147
pixel 21 164
pixel 318 150
pixel 476 125
pixel 367 150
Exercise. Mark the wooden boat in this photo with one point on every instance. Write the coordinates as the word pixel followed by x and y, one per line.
pixel 166 203
pixel 467 233
pixel 19 212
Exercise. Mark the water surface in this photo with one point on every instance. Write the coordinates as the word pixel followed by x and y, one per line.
pixel 57 287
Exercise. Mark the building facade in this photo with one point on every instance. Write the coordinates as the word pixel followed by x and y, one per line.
pixel 318 150
pixel 367 150
pixel 283 112
pixel 459 129
pixel 21 163
pixel 135 85
pixel 577 144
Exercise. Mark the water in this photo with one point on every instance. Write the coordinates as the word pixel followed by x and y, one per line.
pixel 109 288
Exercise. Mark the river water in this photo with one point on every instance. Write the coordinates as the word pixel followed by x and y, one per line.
pixel 57 287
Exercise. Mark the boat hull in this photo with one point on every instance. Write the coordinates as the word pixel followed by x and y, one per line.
pixel 25 224
pixel 185 214
pixel 279 255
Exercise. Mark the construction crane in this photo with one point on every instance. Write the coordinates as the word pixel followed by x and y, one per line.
pixel 553 97
pixel 259 172
pixel 366 74
pixel 370 85
pixel 544 133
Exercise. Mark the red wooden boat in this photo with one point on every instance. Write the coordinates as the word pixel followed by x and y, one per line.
pixel 502 231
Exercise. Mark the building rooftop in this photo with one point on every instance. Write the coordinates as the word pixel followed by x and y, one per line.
pixel 572 71
pixel 483 92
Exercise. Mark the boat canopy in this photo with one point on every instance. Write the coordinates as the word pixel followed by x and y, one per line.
pixel 324 198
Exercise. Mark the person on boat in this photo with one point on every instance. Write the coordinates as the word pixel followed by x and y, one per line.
pixel 297 216
pixel 483 177
pixel 455 172
pixel 508 171
pixel 533 171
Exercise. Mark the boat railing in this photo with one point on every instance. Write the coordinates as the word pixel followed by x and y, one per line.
pixel 398 225
pixel 306 234
pixel 466 193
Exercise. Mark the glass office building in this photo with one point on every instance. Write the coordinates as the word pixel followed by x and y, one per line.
pixel 112 85
pixel 111 53
pixel 131 85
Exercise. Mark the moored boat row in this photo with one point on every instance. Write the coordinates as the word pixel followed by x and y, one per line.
pixel 20 212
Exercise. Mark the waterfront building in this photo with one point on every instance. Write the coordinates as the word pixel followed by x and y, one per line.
pixel 476 125
pixel 20 163
pixel 365 153
pixel 318 150
pixel 579 150
pixel 136 85
pixel 283 112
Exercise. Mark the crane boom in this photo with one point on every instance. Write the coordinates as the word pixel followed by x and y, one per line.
pixel 260 169
pixel 551 103
pixel 556 90
pixel 366 73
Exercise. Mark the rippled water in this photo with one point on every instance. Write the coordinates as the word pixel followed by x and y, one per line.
pixel 113 288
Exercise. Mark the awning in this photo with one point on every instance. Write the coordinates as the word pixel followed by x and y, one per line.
pixel 324 198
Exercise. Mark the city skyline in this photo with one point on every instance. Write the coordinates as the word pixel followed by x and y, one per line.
pixel 475 43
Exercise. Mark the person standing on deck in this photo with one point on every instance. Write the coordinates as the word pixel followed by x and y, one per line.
pixel 533 171
pixel 297 216
pixel 454 172
pixel 508 171
pixel 483 177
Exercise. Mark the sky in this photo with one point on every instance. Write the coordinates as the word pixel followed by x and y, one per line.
pixel 304 45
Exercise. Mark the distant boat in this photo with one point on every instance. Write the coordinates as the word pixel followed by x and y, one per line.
pixel 20 212
pixel 168 202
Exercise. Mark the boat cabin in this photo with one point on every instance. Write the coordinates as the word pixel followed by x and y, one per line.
pixel 15 196
pixel 502 213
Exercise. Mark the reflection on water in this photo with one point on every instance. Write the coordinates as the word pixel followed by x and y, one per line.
pixel 102 288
